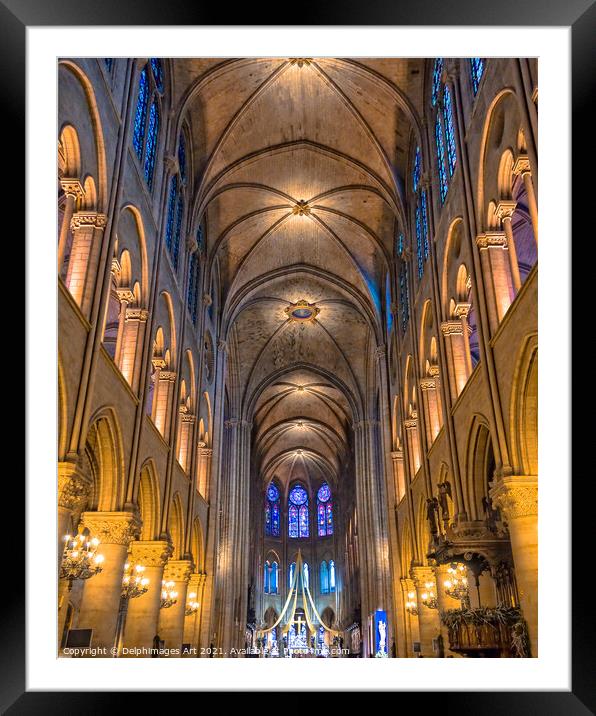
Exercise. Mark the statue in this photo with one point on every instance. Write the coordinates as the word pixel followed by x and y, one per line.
pixel 444 493
pixel 490 514
pixel 432 507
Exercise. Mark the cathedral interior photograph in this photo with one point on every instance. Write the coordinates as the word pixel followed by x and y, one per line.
pixel 297 357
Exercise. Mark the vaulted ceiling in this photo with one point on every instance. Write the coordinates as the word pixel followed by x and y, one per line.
pixel 300 183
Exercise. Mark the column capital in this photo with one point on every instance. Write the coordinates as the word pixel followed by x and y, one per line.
pixel 516 496
pixel 521 165
pixel 151 553
pixel 195 581
pixel 411 423
pixel 204 451
pixel 88 218
pixel 491 240
pixel 427 384
pixel 421 575
pixel 461 310
pixel 222 345
pixel 504 209
pixel 207 300
pixel 380 351
pixel 73 486
pixel 397 454
pixel 452 328
pixel 125 294
pixel 185 416
pixel 72 187
pixel 167 375
pixel 177 570
pixel 112 527
pixel 139 314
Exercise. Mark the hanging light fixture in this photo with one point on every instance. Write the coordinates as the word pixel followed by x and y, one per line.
pixel 412 604
pixel 133 582
pixel 429 598
pixel 191 605
pixel 80 559
pixel 169 597
pixel 456 586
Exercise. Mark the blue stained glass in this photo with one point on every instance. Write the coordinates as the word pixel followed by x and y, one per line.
pixel 275 519
pixel 109 61
pixel 152 133
pixel 419 256
pixel 417 169
pixel 293 521
pixel 171 208
pixel 291 574
pixel 193 287
pixel 331 575
pixel 138 137
pixel 305 582
pixel 388 313
pixel 298 495
pixel 437 72
pixel 272 511
pixel 266 578
pixel 449 133
pixel 272 493
pixel 268 519
pixel 182 157
pixel 303 521
pixel 322 527
pixel 329 508
pixel 441 159
pixel 424 225
pixel 476 70
pixel 273 579
pixel 157 72
pixel 400 245
pixel 176 246
pixel 324 492
pixel 200 239
pixel 324 572
pixel 404 297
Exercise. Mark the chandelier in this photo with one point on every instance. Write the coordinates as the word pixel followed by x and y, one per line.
pixel 169 597
pixel 456 586
pixel 133 582
pixel 428 597
pixel 411 604
pixel 191 605
pixel 80 559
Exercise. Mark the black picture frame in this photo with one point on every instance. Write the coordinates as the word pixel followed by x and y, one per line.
pixel 580 16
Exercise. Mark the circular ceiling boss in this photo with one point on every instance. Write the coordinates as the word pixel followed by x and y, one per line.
pixel 302 311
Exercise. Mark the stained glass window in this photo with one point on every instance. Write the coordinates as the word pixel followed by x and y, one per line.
pixel 476 70
pixel 152 134
pixel 449 133
pixel 138 137
pixel 437 72
pixel 182 156
pixel 273 579
pixel 298 522
pixel 419 240
pixel 424 225
pixel 388 312
pixel 399 245
pixel 305 575
pixel 404 296
pixel 441 159
pixel 266 568
pixel 157 72
pixel 171 209
pixel 331 575
pixel 291 574
pixel 176 244
pixel 417 169
pixel 201 239
pixel 108 61
pixel 193 287
pixel 324 511
pixel 272 511
pixel 324 572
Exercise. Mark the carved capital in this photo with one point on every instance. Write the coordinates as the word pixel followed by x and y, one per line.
pixel 205 452
pixel 427 384
pixel 72 187
pixel 192 243
pixel 158 363
pixel 421 575
pixel 73 487
pixel 88 218
pixel 434 371
pixel 177 570
pixel 516 496
pixel 505 209
pixel 397 455
pixel 521 165
pixel 207 300
pixel 462 309
pixel 380 352
pixel 138 314
pixel 410 423
pixel 125 294
pixel 167 375
pixel 452 328
pixel 151 553
pixel 112 527
pixel 186 417
pixel 491 240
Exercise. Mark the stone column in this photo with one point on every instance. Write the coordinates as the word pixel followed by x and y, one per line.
pixel 132 345
pixel 399 475
pixel 101 595
pixel 171 620
pixel 74 192
pixel 445 601
pixel 522 166
pixel 517 498
pixel 412 630
pixel 428 388
pixel 412 442
pixel 125 296
pixel 192 621
pixel 87 230
pixel 428 619
pixel 204 456
pixel 496 275
pixel 504 211
pixel 458 358
pixel 162 400
pixel 143 612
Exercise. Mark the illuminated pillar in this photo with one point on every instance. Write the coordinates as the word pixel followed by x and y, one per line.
pixel 101 594
pixel 192 621
pixel 505 210
pixel 204 456
pixel 125 296
pixel 445 601
pixel 496 274
pixel 431 407
pixel 74 193
pixel 522 166
pixel 171 620
pixel 399 475
pixel 517 498
pixel 412 442
pixel 428 619
pixel 459 361
pixel 143 612
pixel 132 345
pixel 185 435
pixel 412 629
pixel 87 235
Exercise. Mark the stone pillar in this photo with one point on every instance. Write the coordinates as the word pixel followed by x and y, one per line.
pixel 496 275
pixel 431 407
pixel 412 442
pixel 458 355
pixel 125 296
pixel 428 619
pixel 143 612
pixel 504 211
pixel 185 435
pixel 101 595
pixel 162 400
pixel 517 498
pixel 87 231
pixel 171 620
pixel 399 475
pixel 445 601
pixel 204 456
pixel 522 166
pixel 132 345
pixel 412 629
pixel 74 193
pixel 192 621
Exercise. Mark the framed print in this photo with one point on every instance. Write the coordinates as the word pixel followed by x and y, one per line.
pixel 284 350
